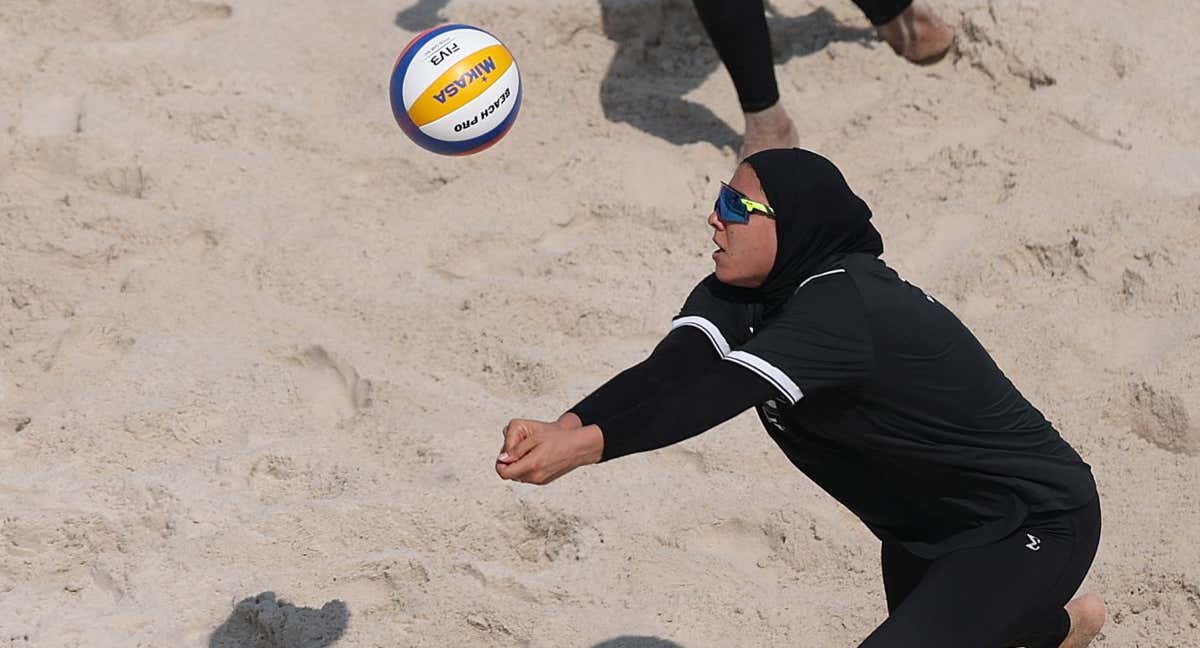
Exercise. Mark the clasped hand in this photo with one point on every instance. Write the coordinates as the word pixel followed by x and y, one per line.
pixel 538 452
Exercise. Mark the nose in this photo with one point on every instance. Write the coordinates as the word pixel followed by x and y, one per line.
pixel 715 222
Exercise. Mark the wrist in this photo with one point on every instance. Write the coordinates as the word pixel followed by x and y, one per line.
pixel 591 439
pixel 568 421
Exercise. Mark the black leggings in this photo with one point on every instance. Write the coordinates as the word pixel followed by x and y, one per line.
pixel 738 29
pixel 1008 593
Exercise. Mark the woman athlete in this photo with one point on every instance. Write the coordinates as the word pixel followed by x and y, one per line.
pixel 738 29
pixel 988 519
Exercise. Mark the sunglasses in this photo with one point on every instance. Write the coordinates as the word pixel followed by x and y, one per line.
pixel 734 207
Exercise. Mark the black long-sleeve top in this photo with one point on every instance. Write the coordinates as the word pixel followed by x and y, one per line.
pixel 873 389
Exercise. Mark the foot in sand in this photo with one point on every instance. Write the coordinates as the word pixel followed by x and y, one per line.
pixel 918 34
pixel 767 129
pixel 1087 617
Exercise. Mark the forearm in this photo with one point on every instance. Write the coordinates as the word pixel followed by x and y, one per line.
pixel 694 406
pixel 683 353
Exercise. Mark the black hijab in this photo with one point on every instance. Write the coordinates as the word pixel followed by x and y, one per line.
pixel 818 220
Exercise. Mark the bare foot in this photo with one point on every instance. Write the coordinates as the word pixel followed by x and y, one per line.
pixel 918 34
pixel 1087 617
pixel 767 129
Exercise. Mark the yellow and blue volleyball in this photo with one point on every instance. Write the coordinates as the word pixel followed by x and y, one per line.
pixel 455 90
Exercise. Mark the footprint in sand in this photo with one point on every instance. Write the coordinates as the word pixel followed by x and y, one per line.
pixel 199 243
pixel 332 387
pixel 72 166
pixel 735 541
pixel 1059 259
pixel 492 626
pixel 391 583
pixel 87 343
pixel 477 255
pixel 1161 417
pixel 1067 259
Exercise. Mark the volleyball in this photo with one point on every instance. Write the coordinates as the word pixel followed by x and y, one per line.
pixel 455 90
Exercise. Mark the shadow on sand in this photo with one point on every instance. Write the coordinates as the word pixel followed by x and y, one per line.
pixel 631 641
pixel 264 622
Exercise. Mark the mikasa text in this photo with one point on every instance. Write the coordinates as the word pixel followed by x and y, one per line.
pixel 477 73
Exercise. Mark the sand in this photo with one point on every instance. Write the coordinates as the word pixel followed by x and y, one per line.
pixel 256 348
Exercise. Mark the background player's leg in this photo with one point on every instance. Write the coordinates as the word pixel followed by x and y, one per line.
pixel 738 29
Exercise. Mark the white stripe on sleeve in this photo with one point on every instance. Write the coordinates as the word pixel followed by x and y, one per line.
pixel 709 329
pixel 768 371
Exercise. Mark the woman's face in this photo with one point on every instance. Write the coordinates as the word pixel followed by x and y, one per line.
pixel 745 251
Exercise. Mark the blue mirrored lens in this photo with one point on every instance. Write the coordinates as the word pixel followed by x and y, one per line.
pixel 730 208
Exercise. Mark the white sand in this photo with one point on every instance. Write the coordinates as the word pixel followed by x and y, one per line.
pixel 253 340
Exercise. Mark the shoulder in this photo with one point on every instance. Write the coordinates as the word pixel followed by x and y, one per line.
pixel 855 279
pixel 725 321
pixel 836 287
pixel 709 296
pixel 827 301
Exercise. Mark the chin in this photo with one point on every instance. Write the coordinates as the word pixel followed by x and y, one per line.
pixel 731 279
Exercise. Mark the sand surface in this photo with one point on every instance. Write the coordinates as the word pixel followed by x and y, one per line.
pixel 256 348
